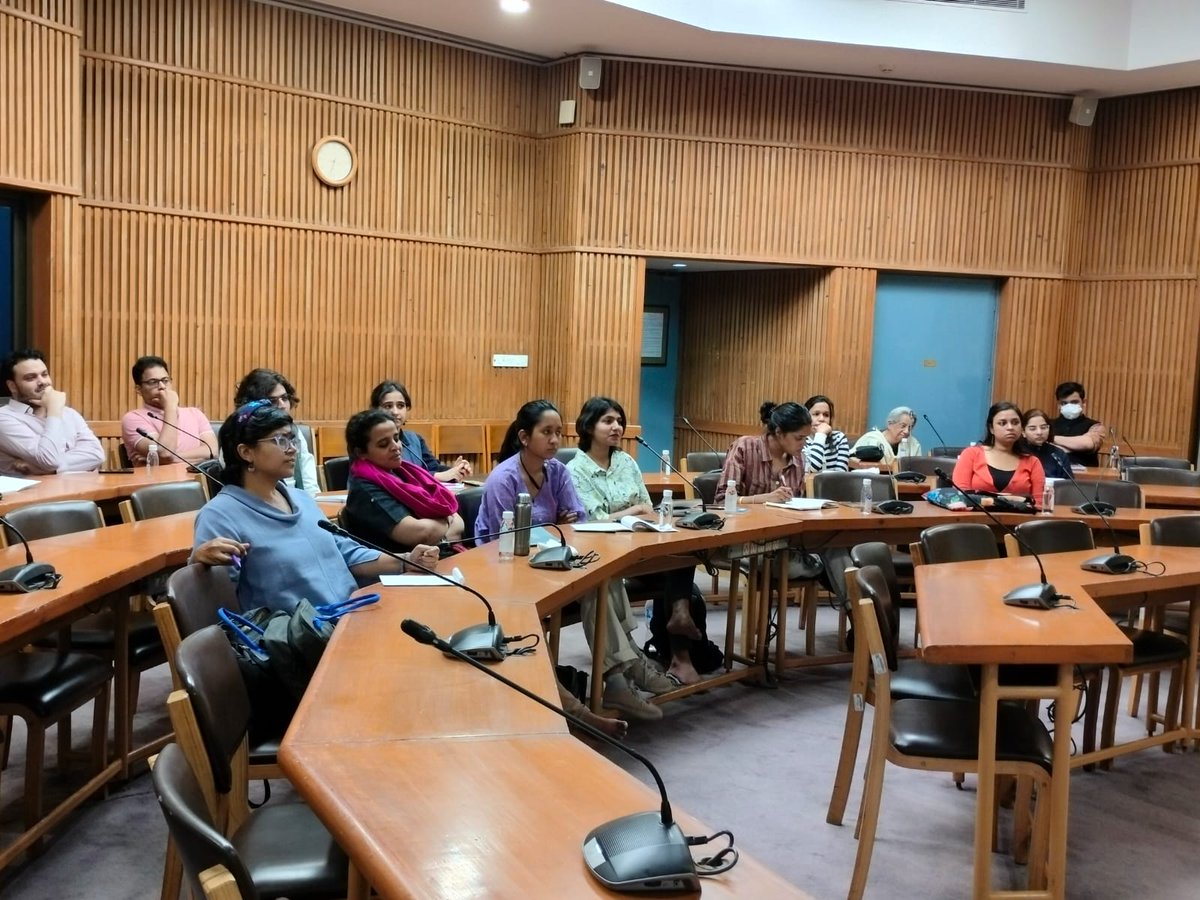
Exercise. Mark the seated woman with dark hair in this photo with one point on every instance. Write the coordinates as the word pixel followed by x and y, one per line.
pixel 393 398
pixel 1039 434
pixel 826 449
pixel 528 465
pixel 391 501
pixel 269 531
pixel 769 466
pixel 267 384
pixel 1003 462
pixel 610 485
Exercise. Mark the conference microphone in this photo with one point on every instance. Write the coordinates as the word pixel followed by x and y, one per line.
pixel 640 852
pixel 703 439
pixel 1133 454
pixel 203 443
pixel 558 559
pixel 1037 596
pixel 31 576
pixel 1093 507
pixel 475 641
pixel 190 466
pixel 942 482
pixel 671 466
pixel 1115 563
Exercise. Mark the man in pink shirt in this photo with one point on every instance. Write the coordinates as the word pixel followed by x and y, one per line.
pixel 181 432
pixel 39 433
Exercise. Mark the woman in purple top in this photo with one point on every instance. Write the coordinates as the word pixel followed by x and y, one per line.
pixel 528 466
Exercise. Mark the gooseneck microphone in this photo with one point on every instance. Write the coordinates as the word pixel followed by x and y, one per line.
pixel 639 852
pixel 475 641
pixel 32 576
pixel 670 465
pixel 1038 596
pixel 163 421
pixel 559 559
pixel 190 466
pixel 1115 563
pixel 936 433
pixel 703 439
pixel 1133 454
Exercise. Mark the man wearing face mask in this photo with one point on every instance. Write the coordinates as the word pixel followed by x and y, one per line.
pixel 1080 436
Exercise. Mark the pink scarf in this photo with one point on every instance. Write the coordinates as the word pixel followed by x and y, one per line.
pixel 427 497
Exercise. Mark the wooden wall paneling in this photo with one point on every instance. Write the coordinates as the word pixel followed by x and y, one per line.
pixel 1032 323
pixel 40 99
pixel 845 375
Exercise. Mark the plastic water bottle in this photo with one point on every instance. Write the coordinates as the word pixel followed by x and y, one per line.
pixel 152 455
pixel 666 463
pixel 731 497
pixel 664 509
pixel 1114 457
pixel 523 519
pixel 508 538
pixel 1048 500
pixel 867 498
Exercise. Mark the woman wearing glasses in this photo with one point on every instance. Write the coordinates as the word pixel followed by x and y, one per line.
pixel 391 501
pixel 269 532
pixel 267 384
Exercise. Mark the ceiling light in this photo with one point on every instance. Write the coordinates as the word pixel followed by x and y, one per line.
pixel 678 265
pixel 515 6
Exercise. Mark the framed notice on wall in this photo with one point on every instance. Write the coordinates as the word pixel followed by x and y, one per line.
pixel 654 336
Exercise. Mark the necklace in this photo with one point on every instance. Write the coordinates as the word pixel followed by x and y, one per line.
pixel 537 486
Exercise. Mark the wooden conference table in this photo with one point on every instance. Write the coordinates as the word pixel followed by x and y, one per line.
pixel 92 486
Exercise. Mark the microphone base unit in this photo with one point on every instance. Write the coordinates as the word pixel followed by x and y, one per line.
pixel 1110 564
pixel 1095 508
pixel 483 642
pixel 639 854
pixel 1033 596
pixel 556 558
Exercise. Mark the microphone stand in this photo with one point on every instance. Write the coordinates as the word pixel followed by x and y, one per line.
pixel 671 466
pixel 1115 563
pixel 474 641
pixel 703 439
pixel 190 466
pixel 936 433
pixel 640 852
pixel 1038 596
pixel 32 576
pixel 163 421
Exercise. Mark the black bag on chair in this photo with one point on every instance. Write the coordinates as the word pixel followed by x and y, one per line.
pixel 706 656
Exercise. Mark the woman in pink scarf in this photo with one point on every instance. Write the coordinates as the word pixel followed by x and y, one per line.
pixel 393 503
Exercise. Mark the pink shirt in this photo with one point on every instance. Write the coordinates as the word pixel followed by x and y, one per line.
pixel 47 445
pixel 190 419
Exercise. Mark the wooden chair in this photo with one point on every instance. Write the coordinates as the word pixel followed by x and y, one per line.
pixel 950 452
pixel 702 461
pixel 943 736
pixel 565 454
pixel 926 464
pixel 910 678
pixel 1117 493
pixel 469 441
pixel 165 499
pixel 1163 462
pixel 335 473
pixel 495 432
pixel 1162 475
pixel 1153 651
pixel 110 437
pixel 330 441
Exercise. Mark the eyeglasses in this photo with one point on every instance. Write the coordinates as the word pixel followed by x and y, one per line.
pixel 284 442
pixel 156 382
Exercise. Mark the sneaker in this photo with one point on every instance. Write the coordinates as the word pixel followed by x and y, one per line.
pixel 647 676
pixel 620 695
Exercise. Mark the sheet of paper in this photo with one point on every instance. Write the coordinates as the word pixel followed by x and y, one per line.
pixel 10 485
pixel 454 574
pixel 603 527
pixel 331 498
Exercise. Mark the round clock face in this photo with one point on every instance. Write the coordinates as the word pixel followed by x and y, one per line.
pixel 333 160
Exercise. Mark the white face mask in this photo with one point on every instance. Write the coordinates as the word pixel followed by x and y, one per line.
pixel 1071 410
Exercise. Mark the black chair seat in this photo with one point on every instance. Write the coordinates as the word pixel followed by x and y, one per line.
pixel 1176 620
pixel 916 680
pixel 263 750
pixel 950 730
pixel 50 685
pixel 289 853
pixel 902 563
pixel 1150 647
pixel 94 634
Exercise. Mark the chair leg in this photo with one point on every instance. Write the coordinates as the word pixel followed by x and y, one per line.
pixel 35 757
pixel 1171 713
pixel 1022 823
pixel 6 736
pixel 1108 728
pixel 809 594
pixel 848 756
pixel 1039 845
pixel 1091 712
pixel 1152 688
pixel 172 880
pixel 1135 696
pixel 868 816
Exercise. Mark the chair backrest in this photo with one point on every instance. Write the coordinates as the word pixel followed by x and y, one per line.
pixel 847 486
pixel 210 676
pixel 200 843
pixel 166 499
pixel 565 454
pixel 213 468
pixel 872 586
pixel 878 555
pixel 337 473
pixel 703 461
pixel 1055 535
pixel 196 592
pixel 1118 493
pixel 926 464
pixel 706 486
pixel 1174 531
pixel 959 542
pixel 306 431
pixel 1162 475
pixel 951 452
pixel 1160 462
pixel 469 501
pixel 43 520
pixel 469 441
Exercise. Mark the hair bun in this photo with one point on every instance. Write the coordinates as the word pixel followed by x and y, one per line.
pixel 764 412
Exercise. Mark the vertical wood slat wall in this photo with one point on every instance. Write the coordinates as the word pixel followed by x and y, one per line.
pixel 477 225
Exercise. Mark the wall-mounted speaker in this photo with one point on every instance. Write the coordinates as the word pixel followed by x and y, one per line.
pixel 589 73
pixel 1083 110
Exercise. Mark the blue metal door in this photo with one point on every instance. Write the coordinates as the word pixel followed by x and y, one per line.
pixel 932 349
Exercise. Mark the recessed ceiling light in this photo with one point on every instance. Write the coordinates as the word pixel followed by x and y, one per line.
pixel 678 265
pixel 514 6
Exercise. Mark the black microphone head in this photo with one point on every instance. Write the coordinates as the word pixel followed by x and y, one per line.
pixel 422 634
pixel 641 440
pixel 331 527
pixel 940 472
pixel 144 433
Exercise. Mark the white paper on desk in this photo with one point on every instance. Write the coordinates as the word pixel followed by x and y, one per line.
pixel 803 503
pixel 454 574
pixel 330 498
pixel 10 485
pixel 869 470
